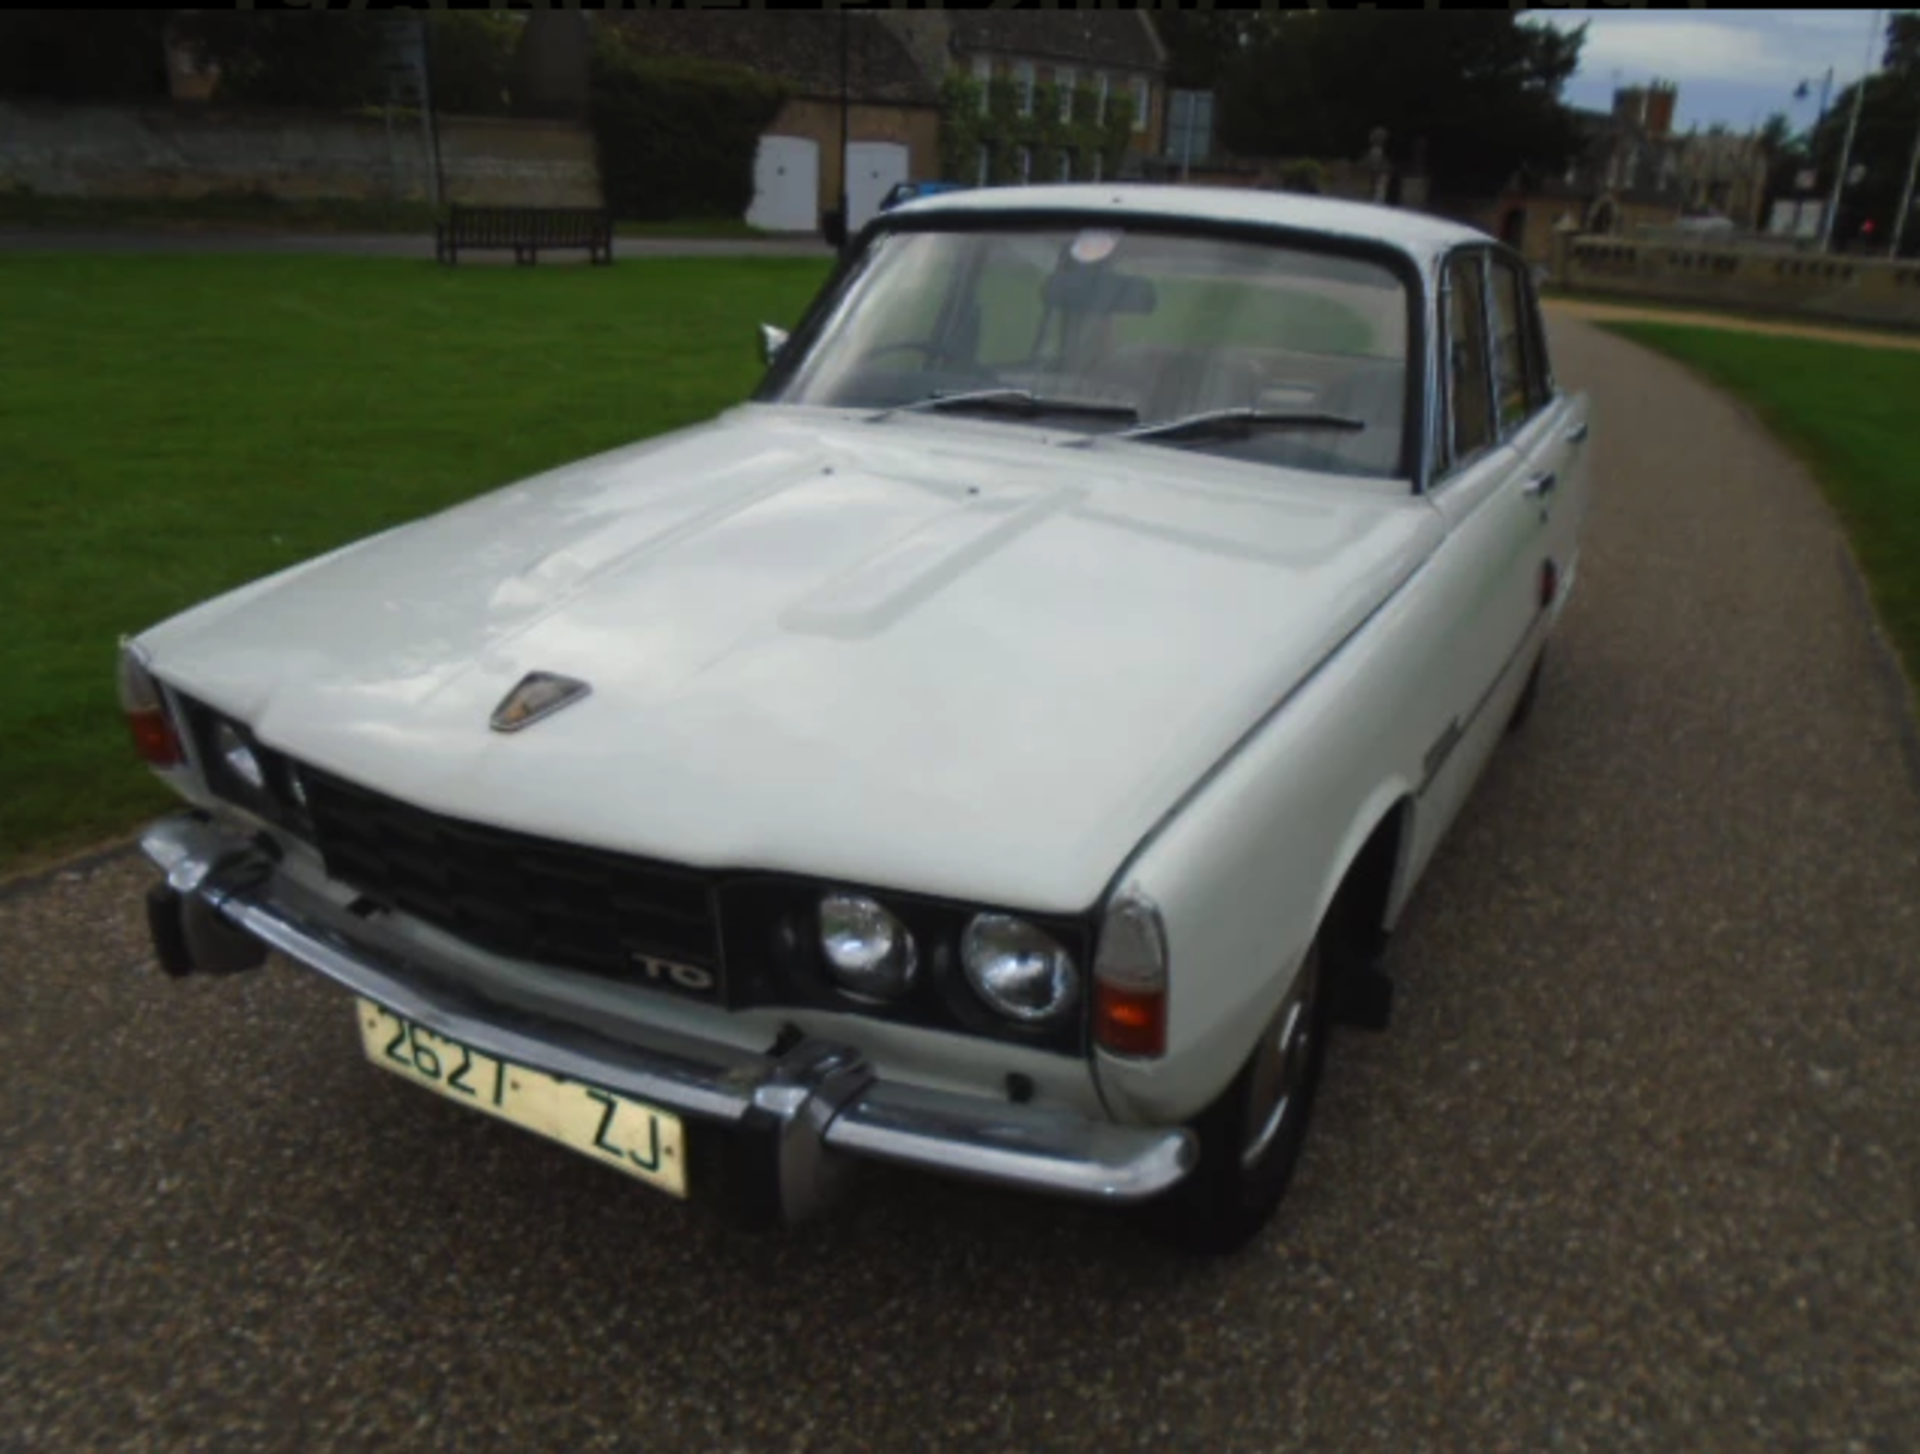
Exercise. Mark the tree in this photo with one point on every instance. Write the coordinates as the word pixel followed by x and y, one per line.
pixel 328 60
pixel 1902 55
pixel 1786 156
pixel 84 55
pixel 552 62
pixel 1205 48
pixel 1480 88
pixel 1889 116
pixel 472 55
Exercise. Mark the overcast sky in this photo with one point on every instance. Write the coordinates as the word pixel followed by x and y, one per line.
pixel 1732 66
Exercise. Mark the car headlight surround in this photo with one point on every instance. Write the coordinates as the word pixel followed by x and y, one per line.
pixel 869 951
pixel 1018 969
pixel 236 751
pixel 238 768
pixel 775 957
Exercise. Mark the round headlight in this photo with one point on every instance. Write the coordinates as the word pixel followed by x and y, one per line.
pixel 1019 970
pixel 238 757
pixel 869 952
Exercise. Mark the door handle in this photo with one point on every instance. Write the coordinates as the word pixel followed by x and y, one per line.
pixel 1578 434
pixel 1540 486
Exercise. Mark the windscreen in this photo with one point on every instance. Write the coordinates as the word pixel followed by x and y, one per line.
pixel 1168 325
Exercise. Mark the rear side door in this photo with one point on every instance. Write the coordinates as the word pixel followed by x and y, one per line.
pixel 1485 594
pixel 1549 427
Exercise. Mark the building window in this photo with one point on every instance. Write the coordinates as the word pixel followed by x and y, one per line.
pixel 1093 166
pixel 1066 78
pixel 1026 165
pixel 1100 98
pixel 982 165
pixel 1066 165
pixel 1190 125
pixel 1139 103
pixel 1023 83
pixel 983 77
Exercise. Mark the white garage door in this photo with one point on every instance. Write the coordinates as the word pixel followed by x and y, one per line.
pixel 872 169
pixel 786 185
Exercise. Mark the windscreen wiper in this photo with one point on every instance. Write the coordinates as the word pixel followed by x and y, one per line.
pixel 1242 419
pixel 1007 400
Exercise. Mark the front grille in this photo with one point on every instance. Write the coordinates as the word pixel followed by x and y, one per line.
pixel 530 898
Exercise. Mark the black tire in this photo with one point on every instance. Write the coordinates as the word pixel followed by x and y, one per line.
pixel 1227 1200
pixel 1523 708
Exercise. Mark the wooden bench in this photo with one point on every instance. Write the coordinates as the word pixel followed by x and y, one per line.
pixel 527 230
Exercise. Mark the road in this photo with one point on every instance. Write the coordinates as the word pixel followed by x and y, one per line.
pixel 1634 1169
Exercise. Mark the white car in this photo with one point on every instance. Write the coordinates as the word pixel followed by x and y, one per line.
pixel 999 748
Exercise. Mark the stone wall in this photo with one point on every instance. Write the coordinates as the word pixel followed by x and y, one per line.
pixel 1771 279
pixel 194 151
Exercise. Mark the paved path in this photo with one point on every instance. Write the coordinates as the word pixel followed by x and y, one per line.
pixel 405 245
pixel 1634 1170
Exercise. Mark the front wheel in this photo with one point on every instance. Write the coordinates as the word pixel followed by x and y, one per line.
pixel 1250 1138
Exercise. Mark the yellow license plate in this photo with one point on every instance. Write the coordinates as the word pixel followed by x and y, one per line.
pixel 610 1128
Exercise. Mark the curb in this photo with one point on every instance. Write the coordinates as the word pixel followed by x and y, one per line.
pixel 80 862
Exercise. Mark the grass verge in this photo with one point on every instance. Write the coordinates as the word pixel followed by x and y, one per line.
pixel 1766 317
pixel 173 426
pixel 1849 412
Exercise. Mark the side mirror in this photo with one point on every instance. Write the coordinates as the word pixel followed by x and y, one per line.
pixel 833 227
pixel 772 340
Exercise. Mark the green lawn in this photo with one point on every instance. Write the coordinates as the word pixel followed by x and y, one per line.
pixel 171 427
pixel 1851 414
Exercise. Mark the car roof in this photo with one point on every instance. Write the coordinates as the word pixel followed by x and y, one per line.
pixel 1419 236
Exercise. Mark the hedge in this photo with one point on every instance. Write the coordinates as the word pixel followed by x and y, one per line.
pixel 676 138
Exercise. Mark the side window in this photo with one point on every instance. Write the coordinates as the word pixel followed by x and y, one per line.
pixel 1469 408
pixel 1516 392
pixel 1540 385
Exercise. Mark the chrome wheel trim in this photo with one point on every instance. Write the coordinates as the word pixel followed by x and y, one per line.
pixel 1282 1059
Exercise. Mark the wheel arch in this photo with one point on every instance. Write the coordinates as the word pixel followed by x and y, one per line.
pixel 1363 888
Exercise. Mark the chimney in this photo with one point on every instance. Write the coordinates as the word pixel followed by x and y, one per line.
pixel 1661 99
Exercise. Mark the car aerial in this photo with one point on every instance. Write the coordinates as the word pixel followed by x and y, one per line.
pixel 999 747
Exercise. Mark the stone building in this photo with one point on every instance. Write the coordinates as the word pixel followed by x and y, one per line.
pixel 1112 53
pixel 892 108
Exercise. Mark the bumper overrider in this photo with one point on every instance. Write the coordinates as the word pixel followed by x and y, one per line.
pixel 775 1134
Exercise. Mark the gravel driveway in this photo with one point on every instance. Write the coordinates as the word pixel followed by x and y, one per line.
pixel 1635 1167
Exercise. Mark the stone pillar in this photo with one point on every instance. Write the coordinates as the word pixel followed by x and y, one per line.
pixel 1561 268
pixel 1376 164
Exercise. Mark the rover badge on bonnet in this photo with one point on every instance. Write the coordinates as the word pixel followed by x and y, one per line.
pixel 539 694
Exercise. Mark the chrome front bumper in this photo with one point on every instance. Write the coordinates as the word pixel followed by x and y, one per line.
pixel 791 1121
